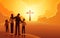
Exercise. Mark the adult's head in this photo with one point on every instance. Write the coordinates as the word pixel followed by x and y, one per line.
pixel 6 20
pixel 18 14
pixel 11 15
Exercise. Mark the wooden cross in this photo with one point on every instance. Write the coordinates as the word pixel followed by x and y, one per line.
pixel 29 14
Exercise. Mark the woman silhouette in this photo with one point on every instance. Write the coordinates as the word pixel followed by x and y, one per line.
pixel 11 23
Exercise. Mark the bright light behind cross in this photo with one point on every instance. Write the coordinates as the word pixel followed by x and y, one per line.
pixel 33 15
pixel 30 14
pixel 23 8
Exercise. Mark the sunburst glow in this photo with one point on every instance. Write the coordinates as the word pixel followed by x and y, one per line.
pixel 34 8
pixel 38 7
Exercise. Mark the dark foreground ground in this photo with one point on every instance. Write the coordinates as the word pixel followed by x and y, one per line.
pixel 39 30
pixel 7 35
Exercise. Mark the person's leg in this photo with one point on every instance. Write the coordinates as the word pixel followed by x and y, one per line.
pixel 6 28
pixel 22 29
pixel 12 28
pixel 18 29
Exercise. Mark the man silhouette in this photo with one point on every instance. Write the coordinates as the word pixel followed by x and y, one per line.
pixel 17 24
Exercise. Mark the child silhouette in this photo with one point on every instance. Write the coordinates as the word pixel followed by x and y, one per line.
pixel 23 26
pixel 7 25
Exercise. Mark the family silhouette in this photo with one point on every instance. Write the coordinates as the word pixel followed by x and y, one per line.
pixel 18 21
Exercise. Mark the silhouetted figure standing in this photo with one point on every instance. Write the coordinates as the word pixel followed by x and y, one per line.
pixel 11 23
pixel 17 24
pixel 23 26
pixel 7 25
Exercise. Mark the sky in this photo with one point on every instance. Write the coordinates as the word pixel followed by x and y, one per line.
pixel 40 8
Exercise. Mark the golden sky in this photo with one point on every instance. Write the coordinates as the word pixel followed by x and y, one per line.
pixel 42 8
